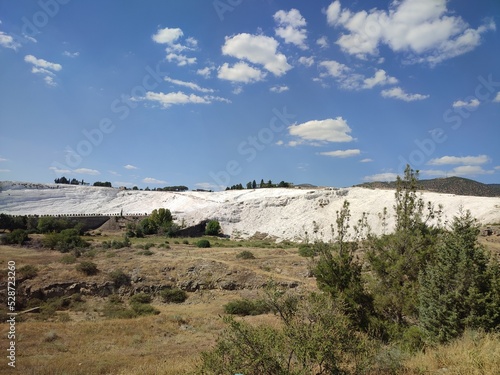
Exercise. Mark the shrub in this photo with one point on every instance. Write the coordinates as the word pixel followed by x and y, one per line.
pixel 68 259
pixel 307 250
pixel 245 255
pixel 140 298
pixel 212 228
pixel 144 309
pixel 17 236
pixel 246 307
pixel 173 295
pixel 203 243
pixel 88 268
pixel 28 271
pixel 119 278
pixel 185 242
pixel 64 241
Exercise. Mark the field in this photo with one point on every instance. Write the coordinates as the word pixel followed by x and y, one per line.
pixel 75 329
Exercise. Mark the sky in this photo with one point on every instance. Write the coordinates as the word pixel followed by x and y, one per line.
pixel 213 93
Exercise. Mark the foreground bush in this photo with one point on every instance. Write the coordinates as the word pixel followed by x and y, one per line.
pixel 173 295
pixel 245 255
pixel 246 307
pixel 17 236
pixel 203 243
pixel 88 268
pixel 65 240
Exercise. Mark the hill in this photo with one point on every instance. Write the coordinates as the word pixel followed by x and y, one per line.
pixel 277 213
pixel 449 185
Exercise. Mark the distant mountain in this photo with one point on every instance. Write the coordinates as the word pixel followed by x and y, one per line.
pixel 449 185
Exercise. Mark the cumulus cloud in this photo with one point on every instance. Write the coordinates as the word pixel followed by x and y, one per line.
pixel 341 153
pixel 257 49
pixel 497 98
pixel 307 61
pixel 291 27
pixel 60 170
pixel 205 72
pixel 279 89
pixel 170 37
pixel 71 54
pixel 470 160
pixel 190 85
pixel 92 172
pixel 173 98
pixel 322 42
pixel 348 79
pixel 328 130
pixel 386 176
pixel 8 41
pixel 423 29
pixel 462 170
pixel 151 180
pixel 473 103
pixel 130 167
pixel 399 93
pixel 44 68
pixel 367 160
pixel 240 72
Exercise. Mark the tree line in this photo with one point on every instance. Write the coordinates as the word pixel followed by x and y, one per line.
pixel 253 185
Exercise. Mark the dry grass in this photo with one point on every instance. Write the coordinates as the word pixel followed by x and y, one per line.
pixel 474 354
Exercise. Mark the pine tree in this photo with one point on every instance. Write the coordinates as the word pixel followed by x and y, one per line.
pixel 458 289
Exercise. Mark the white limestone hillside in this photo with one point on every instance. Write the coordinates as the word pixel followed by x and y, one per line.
pixel 282 213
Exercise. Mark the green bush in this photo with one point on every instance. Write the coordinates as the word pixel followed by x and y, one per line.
pixel 140 298
pixel 68 259
pixel 246 307
pixel 307 250
pixel 144 309
pixel 28 271
pixel 173 295
pixel 203 243
pixel 245 255
pixel 212 228
pixel 64 241
pixel 120 278
pixel 17 236
pixel 88 268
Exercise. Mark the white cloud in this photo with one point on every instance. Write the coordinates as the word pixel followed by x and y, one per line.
pixel 8 41
pixel 41 63
pixel 497 168
pixel 172 98
pixel 3 159
pixel 386 176
pixel 151 180
pixel 497 98
pixel 191 85
pixel 71 54
pixel 170 36
pixel 398 93
pixel 5 170
pixel 60 171
pixel 43 67
pixel 474 160
pixel 257 49
pixel 205 72
pixel 88 171
pixel 341 153
pixel 279 89
pixel 350 80
pixel 424 29
pixel 473 103
pixel 130 167
pixel 329 130
pixel 240 72
pixel 367 160
pixel 462 170
pixel 380 78
pixel 322 42
pixel 291 27
pixel 307 61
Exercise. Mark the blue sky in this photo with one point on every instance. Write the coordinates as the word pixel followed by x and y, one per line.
pixel 209 93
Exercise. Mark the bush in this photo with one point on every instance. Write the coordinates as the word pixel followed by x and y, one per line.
pixel 173 295
pixel 88 268
pixel 307 250
pixel 212 228
pixel 245 255
pixel 140 298
pixel 64 241
pixel 28 271
pixel 246 307
pixel 120 278
pixel 68 259
pixel 17 236
pixel 203 243
pixel 144 309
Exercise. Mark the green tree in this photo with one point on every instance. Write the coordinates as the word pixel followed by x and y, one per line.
pixel 338 271
pixel 254 184
pixel 212 228
pixel 397 258
pixel 458 290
